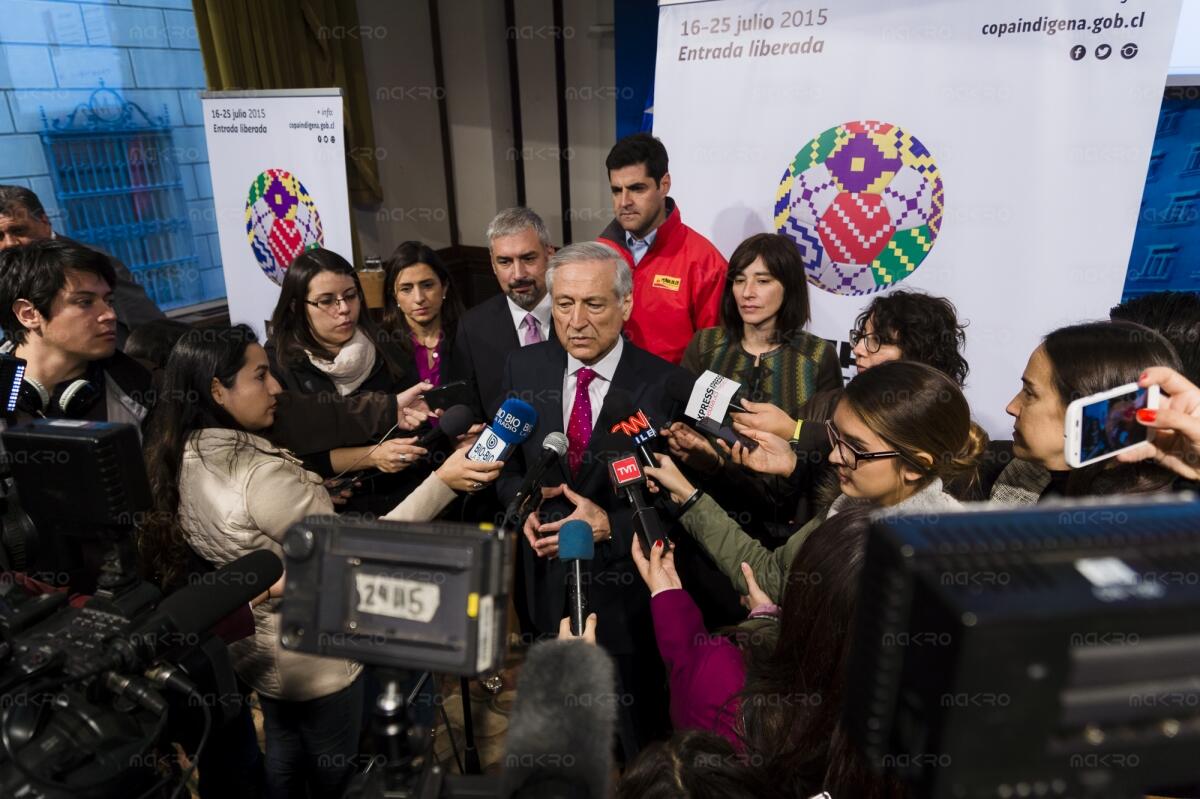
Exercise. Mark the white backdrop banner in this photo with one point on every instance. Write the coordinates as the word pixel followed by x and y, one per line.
pixel 992 153
pixel 279 186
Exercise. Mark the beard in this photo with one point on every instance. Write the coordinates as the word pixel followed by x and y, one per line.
pixel 527 301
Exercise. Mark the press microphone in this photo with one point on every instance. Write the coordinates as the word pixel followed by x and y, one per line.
pixel 703 395
pixel 454 422
pixel 194 609
pixel 554 446
pixel 562 725
pixel 634 423
pixel 513 423
pixel 625 474
pixel 703 398
pixel 575 545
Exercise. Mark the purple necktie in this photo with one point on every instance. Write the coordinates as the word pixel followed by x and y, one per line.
pixel 533 333
pixel 579 429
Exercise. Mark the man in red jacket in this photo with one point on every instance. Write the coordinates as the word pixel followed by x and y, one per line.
pixel 678 275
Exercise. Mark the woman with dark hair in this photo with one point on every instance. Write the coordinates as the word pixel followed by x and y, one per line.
pixel 221 490
pixel 1074 362
pixel 773 691
pixel 898 433
pixel 421 309
pixel 761 342
pixel 763 345
pixel 322 342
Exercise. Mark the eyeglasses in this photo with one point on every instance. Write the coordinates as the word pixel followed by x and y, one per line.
pixel 871 341
pixel 329 303
pixel 851 456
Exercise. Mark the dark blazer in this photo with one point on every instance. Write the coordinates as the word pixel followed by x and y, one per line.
pixel 485 337
pixel 617 593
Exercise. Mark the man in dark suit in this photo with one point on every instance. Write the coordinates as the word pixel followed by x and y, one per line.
pixel 23 220
pixel 582 383
pixel 519 245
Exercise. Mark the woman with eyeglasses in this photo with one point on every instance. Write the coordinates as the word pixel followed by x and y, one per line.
pixel 898 433
pixel 421 309
pixel 323 342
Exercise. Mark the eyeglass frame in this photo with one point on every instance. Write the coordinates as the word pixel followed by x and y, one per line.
pixel 336 300
pixel 857 335
pixel 837 442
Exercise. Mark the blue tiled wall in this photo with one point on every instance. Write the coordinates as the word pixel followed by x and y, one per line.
pixel 54 53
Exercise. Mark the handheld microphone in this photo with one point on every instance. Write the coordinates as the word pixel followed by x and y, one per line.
pixel 194 609
pixel 454 422
pixel 634 423
pixel 512 424
pixel 554 446
pixel 575 545
pixel 625 474
pixel 705 395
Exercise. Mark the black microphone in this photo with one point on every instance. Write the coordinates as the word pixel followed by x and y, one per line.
pixel 562 725
pixel 454 422
pixel 194 609
pixel 575 545
pixel 626 475
pixel 554 446
pixel 634 423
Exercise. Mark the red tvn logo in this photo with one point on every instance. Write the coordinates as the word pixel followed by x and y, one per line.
pixel 626 470
pixel 633 425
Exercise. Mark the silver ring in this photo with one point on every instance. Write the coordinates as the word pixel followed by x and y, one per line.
pixel 404 457
pixel 477 485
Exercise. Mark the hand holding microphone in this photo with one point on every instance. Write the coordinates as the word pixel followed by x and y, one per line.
pixel 577 547
pixel 667 475
pixel 657 568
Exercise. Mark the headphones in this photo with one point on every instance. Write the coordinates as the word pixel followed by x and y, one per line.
pixel 73 402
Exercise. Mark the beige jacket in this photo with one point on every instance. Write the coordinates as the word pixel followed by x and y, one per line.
pixel 235 499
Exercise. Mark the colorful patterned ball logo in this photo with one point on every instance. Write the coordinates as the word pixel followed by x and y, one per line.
pixel 863 203
pixel 281 221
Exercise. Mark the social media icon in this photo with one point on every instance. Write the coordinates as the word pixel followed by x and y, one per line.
pixel 1103 51
pixel 1129 50
pixel 1078 52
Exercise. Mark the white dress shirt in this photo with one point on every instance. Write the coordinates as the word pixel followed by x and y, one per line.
pixel 541 312
pixel 604 368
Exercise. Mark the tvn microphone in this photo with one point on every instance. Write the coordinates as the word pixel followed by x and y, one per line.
pixel 575 545
pixel 512 424
pixel 626 475
pixel 554 446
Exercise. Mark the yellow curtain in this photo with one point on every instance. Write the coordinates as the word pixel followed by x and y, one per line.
pixel 296 44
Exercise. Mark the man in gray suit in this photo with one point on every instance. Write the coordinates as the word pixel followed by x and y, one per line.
pixel 23 220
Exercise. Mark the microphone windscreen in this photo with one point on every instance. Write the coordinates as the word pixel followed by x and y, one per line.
pixel 557 442
pixel 514 421
pixel 575 541
pixel 197 607
pixel 456 420
pixel 562 725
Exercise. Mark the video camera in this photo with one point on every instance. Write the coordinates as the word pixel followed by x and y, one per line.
pixel 399 597
pixel 92 690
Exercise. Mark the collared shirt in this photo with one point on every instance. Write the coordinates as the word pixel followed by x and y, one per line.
pixel 604 368
pixel 541 312
pixel 638 247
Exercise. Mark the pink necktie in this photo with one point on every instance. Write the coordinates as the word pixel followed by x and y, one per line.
pixel 533 333
pixel 579 429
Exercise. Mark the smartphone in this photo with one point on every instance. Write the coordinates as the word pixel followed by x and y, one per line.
pixel 448 395
pixel 1100 426
pixel 725 433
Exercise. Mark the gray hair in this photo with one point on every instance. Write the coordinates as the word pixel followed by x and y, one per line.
pixel 512 221
pixel 592 252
